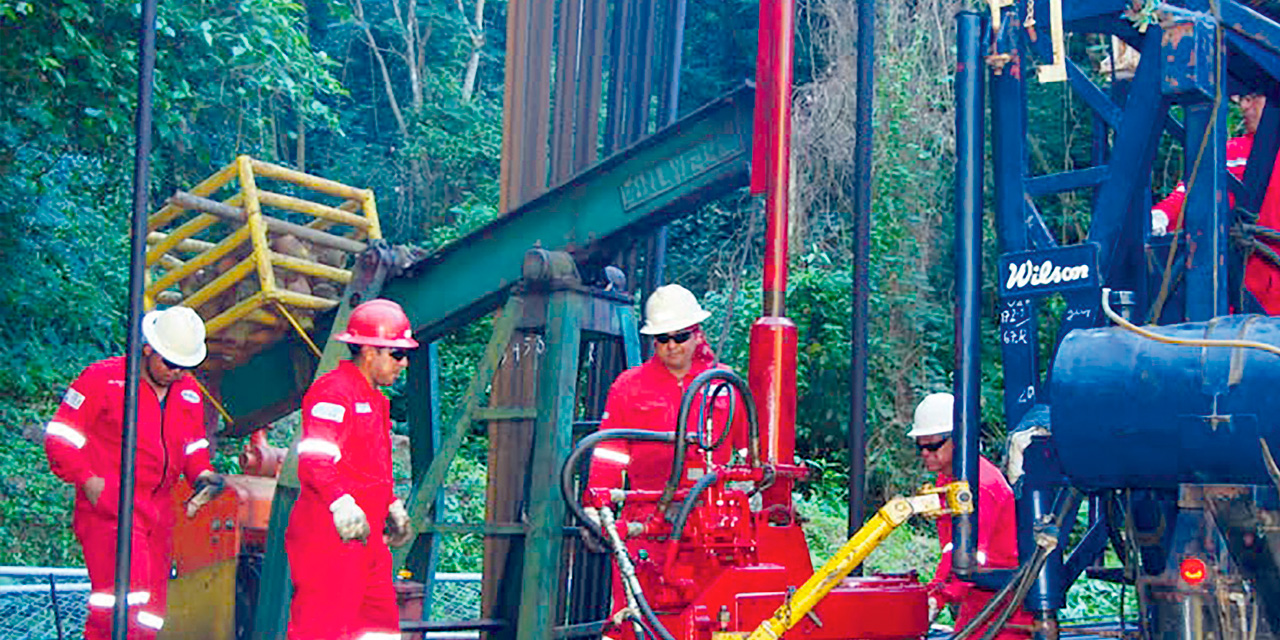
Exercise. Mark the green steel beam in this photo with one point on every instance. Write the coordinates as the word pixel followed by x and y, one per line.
pixel 480 528
pixel 422 498
pixel 541 580
pixel 702 156
pixel 423 391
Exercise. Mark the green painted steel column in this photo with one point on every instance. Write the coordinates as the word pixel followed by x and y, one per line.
pixel 630 336
pixel 427 487
pixel 423 391
pixel 553 435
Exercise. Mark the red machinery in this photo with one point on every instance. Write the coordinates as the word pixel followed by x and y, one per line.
pixel 733 553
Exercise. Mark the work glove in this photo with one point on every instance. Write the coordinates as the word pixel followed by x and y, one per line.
pixel 349 518
pixel 93 488
pixel 399 529
pixel 935 607
pixel 208 485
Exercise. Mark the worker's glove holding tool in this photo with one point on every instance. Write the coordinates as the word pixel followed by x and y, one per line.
pixel 399 530
pixel 208 485
pixel 349 519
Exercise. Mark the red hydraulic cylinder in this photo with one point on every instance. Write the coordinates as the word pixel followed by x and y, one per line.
pixel 771 141
pixel 772 377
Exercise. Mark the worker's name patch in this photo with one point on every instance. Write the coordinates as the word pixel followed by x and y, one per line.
pixel 73 398
pixel 328 411
pixel 190 396
pixel 363 407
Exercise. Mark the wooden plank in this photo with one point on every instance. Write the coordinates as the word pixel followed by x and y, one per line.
pixel 505 413
pixel 480 528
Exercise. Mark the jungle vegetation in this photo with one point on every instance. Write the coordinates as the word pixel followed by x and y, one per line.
pixel 404 97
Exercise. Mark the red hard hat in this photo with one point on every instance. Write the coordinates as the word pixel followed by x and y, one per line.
pixel 379 323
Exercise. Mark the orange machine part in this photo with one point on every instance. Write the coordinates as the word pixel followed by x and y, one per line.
pixel 233 523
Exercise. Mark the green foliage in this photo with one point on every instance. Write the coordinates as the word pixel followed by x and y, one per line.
pixel 35 514
pixel 70 76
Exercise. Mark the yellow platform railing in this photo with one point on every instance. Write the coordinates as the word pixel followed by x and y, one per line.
pixel 255 263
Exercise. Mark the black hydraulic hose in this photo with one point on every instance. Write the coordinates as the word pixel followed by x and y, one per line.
pixel 1068 505
pixel 1024 582
pixel 985 613
pixel 708 400
pixel 1023 578
pixel 686 402
pixel 686 507
pixel 647 611
pixel 584 445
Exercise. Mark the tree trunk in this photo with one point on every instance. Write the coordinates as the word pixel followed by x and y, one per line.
pixel 476 29
pixel 358 7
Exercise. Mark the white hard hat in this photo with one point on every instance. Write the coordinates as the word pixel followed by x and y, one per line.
pixel 177 334
pixel 671 308
pixel 933 416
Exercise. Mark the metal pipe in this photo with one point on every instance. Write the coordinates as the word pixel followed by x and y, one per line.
pixel 658 255
pixel 133 343
pixel 968 247
pixel 773 132
pixel 864 110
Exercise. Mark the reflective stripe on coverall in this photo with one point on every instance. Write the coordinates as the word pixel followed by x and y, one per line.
pixel 83 441
pixel 342 590
pixel 997 549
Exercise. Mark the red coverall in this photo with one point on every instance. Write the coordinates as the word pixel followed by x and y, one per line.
pixel 342 590
pixel 997 549
pixel 83 441
pixel 648 397
pixel 1261 278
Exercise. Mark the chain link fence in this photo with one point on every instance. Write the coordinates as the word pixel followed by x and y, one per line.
pixel 45 603
pixel 42 603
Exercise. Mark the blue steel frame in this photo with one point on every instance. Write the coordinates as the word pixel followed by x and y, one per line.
pixel 1179 67
pixel 1195 57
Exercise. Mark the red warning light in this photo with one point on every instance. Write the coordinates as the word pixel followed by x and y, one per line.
pixel 1193 571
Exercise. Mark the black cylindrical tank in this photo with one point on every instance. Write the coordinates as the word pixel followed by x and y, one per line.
pixel 1132 412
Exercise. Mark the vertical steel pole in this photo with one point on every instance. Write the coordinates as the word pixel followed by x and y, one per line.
pixel 864 110
pixel 658 265
pixel 1206 216
pixel 424 425
pixel 772 369
pixel 968 247
pixel 773 135
pixel 133 343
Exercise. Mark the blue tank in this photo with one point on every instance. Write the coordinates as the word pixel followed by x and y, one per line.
pixel 1131 412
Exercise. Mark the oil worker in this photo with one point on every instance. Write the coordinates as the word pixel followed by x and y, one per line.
pixel 83 444
pixel 997 524
pixel 648 397
pixel 346 513
pixel 1261 277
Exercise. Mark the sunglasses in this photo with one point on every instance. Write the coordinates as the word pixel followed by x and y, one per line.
pixel 678 338
pixel 175 367
pixel 932 447
pixel 400 355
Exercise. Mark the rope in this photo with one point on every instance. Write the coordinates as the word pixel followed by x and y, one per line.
pixel 1209 128
pixel 1186 342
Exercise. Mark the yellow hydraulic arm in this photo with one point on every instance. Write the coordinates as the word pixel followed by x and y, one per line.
pixel 954 498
